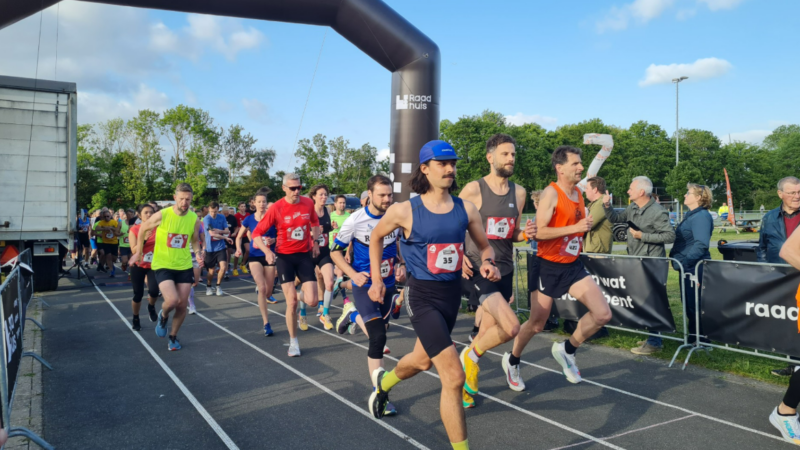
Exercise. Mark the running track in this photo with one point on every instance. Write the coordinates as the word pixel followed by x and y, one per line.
pixel 231 387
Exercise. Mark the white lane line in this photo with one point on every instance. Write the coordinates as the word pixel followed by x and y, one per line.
pixel 322 387
pixel 628 432
pixel 502 402
pixel 622 391
pixel 210 420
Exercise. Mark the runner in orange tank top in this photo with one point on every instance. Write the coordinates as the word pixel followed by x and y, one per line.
pixel 561 223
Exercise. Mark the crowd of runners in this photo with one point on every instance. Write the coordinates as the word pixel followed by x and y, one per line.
pixel 420 256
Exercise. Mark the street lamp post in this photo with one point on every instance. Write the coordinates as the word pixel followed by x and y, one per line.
pixel 677 81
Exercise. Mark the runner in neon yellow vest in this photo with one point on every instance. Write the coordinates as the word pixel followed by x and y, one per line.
pixel 176 227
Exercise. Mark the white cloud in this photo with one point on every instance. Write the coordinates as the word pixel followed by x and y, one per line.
pixel 256 110
pixel 618 18
pixel 521 119
pixel 701 69
pixel 98 107
pixel 717 5
pixel 641 11
pixel 225 35
pixel 383 154
pixel 752 136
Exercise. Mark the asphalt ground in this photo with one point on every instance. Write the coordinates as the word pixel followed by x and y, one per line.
pixel 232 387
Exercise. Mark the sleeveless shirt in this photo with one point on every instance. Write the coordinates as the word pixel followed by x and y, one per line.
pixel 565 249
pixel 499 214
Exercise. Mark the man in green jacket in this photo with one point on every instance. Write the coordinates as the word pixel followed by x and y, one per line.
pixel 648 235
pixel 599 239
pixel 651 229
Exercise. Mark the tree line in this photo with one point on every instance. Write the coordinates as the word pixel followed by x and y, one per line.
pixel 125 163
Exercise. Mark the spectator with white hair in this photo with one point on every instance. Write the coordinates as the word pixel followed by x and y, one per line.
pixel 648 232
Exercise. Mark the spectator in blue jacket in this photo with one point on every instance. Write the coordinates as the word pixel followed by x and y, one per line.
pixel 692 238
pixel 776 227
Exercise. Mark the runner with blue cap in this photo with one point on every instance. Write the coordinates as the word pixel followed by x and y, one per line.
pixel 433 226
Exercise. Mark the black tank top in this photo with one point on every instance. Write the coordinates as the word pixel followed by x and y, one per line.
pixel 327 226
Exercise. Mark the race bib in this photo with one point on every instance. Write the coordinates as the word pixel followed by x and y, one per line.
pixel 322 239
pixel 84 229
pixel 387 268
pixel 125 240
pixel 110 235
pixel 445 258
pixel 148 257
pixel 571 245
pixel 297 234
pixel 334 236
pixel 177 240
pixel 500 227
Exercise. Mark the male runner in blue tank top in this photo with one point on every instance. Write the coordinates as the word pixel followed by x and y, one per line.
pixel 433 226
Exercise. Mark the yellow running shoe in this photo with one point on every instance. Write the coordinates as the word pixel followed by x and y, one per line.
pixel 243 269
pixel 235 272
pixel 326 321
pixel 303 322
pixel 466 400
pixel 471 369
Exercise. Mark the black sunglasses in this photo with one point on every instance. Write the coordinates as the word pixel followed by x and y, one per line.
pixel 293 188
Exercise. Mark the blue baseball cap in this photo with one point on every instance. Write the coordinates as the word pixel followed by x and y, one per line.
pixel 437 151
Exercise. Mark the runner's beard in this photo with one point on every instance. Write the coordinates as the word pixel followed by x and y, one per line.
pixel 502 171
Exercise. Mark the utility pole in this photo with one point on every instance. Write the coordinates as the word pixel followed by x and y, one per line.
pixel 677 81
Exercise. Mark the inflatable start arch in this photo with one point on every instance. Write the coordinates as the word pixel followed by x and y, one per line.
pixel 370 25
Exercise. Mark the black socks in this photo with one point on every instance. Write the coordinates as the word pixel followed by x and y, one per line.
pixel 475 329
pixel 569 348
pixel 513 360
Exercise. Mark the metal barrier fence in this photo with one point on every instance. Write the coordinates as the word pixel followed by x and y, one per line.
pixel 16 293
pixel 723 312
pixel 643 328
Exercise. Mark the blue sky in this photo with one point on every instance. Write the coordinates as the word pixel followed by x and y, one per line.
pixel 553 63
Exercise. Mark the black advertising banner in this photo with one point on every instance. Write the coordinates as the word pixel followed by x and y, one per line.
pixel 635 289
pixel 12 331
pixel 26 281
pixel 751 306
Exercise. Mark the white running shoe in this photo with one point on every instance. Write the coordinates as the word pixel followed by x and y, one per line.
pixel 567 362
pixel 219 291
pixel 513 379
pixel 209 290
pixel 192 310
pixel 386 350
pixel 787 425
pixel 294 348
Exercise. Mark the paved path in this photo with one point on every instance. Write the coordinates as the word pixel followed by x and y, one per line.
pixel 231 387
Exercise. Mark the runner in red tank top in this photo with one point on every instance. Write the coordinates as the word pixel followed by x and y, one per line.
pixel 561 223
pixel 295 219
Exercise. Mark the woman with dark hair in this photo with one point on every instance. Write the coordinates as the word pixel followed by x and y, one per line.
pixel 140 269
pixel 692 239
pixel 319 194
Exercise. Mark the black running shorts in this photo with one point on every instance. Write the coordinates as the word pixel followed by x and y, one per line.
pixel 83 240
pixel 125 251
pixel 213 258
pixel 555 279
pixel 533 272
pixel 295 265
pixel 259 259
pixel 176 276
pixel 481 288
pixel 432 307
pixel 109 249
pixel 373 310
pixel 324 257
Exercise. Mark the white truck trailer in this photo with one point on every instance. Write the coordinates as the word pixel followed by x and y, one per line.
pixel 38 165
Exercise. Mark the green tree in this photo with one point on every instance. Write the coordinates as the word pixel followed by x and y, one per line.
pixel 238 148
pixel 88 178
pixel 314 160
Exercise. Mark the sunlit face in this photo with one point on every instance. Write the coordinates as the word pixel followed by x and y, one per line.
pixel 635 192
pixel 441 174
pixel 292 190
pixel 503 159
pixel 572 170
pixel 381 197
pixel 691 198
pixel 790 195
pixel 592 193
pixel 213 212
pixel 183 200
pixel 320 197
pixel 340 205
pixel 242 208
pixel 261 204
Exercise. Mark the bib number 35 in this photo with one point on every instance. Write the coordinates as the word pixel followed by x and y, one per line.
pixel 445 258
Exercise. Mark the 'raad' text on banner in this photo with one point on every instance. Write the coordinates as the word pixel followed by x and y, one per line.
pixel 750 305
pixel 635 289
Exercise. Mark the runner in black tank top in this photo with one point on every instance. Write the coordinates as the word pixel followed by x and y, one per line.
pixel 500 204
pixel 433 227
pixel 323 261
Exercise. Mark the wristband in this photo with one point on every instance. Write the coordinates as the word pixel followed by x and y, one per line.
pixel 402 264
pixel 525 237
pixel 490 260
